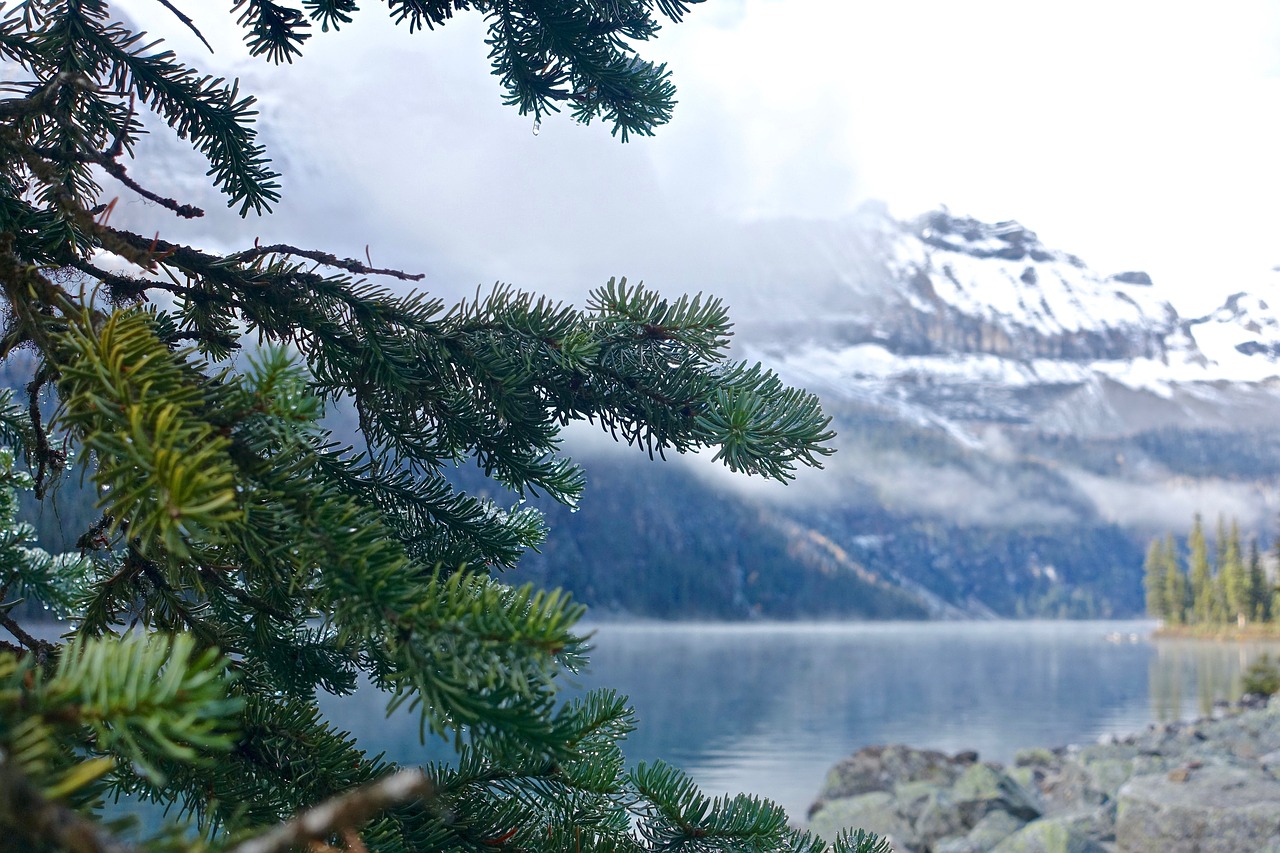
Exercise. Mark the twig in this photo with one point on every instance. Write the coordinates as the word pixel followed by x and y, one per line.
pixel 345 811
pixel 111 165
pixel 214 575
pixel 95 539
pixel 115 170
pixel 41 648
pixel 190 24
pixel 35 102
pixel 46 458
pixel 121 286
pixel 348 264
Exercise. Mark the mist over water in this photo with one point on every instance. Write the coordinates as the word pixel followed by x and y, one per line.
pixel 767 709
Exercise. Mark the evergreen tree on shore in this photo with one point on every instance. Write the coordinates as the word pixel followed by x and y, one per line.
pixel 242 561
pixel 1237 594
pixel 1235 579
pixel 1153 580
pixel 1203 594
pixel 1259 595
pixel 1175 584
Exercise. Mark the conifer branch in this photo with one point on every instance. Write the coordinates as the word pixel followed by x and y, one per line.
pixel 230 516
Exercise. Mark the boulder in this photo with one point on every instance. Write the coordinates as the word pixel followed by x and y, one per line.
pixel 1048 836
pixel 1213 810
pixel 1097 824
pixel 875 812
pixel 985 788
pixel 986 834
pixel 939 816
pixel 1107 772
pixel 884 768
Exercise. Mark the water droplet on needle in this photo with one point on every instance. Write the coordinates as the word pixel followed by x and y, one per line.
pixel 537 126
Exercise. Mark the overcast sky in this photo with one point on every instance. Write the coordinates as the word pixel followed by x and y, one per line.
pixel 1138 135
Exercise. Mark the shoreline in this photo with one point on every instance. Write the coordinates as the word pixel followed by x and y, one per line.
pixel 1262 632
pixel 1210 785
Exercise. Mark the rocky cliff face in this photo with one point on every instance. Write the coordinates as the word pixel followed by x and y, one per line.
pixel 945 285
pixel 996 289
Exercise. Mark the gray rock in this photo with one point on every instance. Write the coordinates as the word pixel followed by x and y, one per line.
pixel 988 832
pixel 883 768
pixel 1037 756
pixel 1215 810
pixel 1210 785
pixel 875 812
pixel 1270 761
pixel 1097 824
pixel 939 816
pixel 1047 836
pixel 1107 773
pixel 958 845
pixel 984 788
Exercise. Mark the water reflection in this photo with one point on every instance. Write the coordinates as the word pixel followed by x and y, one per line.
pixel 768 709
pixel 1188 676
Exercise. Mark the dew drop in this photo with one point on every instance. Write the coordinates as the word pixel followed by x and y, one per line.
pixel 537 126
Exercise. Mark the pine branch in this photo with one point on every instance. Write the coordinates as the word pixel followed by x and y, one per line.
pixel 231 518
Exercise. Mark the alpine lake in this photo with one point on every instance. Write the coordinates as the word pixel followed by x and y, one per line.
pixel 766 709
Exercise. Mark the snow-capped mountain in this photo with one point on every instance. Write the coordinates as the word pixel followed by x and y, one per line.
pixel 1012 428
pixel 977 323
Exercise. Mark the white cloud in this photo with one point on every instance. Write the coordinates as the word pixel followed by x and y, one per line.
pixel 1138 134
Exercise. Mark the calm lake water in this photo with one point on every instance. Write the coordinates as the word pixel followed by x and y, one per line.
pixel 768 709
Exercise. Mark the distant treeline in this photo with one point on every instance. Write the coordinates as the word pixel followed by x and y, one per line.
pixel 1231 588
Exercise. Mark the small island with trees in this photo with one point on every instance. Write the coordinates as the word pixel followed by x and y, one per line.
pixel 1229 594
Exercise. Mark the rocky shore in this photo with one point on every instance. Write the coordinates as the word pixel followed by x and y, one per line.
pixel 1208 786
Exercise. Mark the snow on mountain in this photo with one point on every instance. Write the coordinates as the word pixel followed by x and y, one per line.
pixel 1003 274
pixel 962 320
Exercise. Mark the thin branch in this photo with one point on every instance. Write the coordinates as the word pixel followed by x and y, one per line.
pixel 94 539
pixel 348 264
pixel 115 170
pixel 122 285
pixel 190 24
pixel 46 458
pixel 111 165
pixel 41 648
pixel 16 108
pixel 345 811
